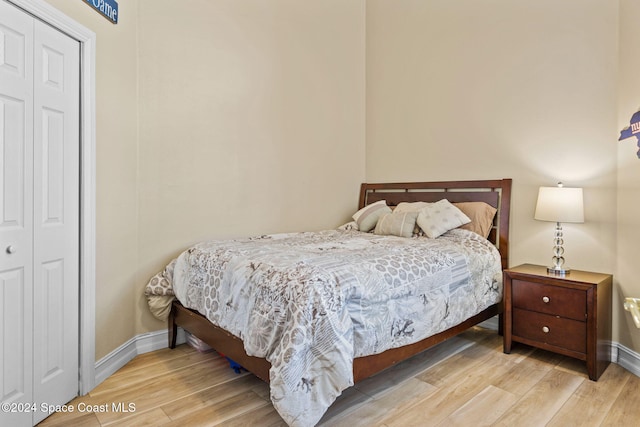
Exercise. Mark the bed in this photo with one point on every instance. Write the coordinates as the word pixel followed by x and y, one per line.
pixel 319 374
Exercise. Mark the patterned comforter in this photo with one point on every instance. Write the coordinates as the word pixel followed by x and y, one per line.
pixel 311 302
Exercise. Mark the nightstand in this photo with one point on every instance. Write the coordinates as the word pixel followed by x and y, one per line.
pixel 569 314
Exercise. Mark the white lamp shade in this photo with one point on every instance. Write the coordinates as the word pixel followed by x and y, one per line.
pixel 560 204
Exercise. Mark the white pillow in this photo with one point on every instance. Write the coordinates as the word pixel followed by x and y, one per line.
pixel 440 217
pixel 367 217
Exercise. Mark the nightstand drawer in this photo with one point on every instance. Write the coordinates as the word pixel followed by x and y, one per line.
pixel 552 330
pixel 550 299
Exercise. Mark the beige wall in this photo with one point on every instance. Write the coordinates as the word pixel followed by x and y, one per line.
pixel 116 170
pixel 251 121
pixel 628 170
pixel 518 89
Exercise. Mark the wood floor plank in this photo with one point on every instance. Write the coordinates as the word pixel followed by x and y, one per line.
pixel 459 380
pixel 399 398
pixel 165 388
pixel 159 356
pixel 64 420
pixel 457 366
pixel 152 418
pixel 395 384
pixel 414 366
pixel 220 413
pixel 573 366
pixel 591 402
pixel 523 375
pixel 159 366
pixel 78 417
pixel 625 410
pixel 211 396
pixel 350 399
pixel 540 404
pixel 483 409
pixel 264 416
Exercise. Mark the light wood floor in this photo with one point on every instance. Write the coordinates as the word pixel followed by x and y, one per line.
pixel 465 381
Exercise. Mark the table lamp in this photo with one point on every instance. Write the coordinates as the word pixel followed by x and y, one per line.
pixel 559 204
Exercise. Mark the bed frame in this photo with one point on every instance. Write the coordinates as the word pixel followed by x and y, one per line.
pixel 496 193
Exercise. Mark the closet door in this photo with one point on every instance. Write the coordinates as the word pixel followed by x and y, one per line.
pixel 56 231
pixel 39 217
pixel 16 213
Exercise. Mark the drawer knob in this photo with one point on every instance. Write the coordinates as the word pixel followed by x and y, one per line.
pixel 545 300
pixel 545 329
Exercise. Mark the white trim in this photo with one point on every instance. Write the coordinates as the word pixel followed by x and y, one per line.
pixel 137 345
pixel 87 39
pixel 627 358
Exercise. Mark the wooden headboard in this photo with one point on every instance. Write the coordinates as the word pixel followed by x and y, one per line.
pixel 496 193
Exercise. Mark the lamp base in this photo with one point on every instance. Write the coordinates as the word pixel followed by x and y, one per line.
pixel 558 271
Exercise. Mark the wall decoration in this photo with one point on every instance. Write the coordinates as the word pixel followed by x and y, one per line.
pixel 106 8
pixel 632 130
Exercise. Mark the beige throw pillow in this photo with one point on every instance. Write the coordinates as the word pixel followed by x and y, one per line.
pixel 481 215
pixel 397 224
pixel 440 217
pixel 412 207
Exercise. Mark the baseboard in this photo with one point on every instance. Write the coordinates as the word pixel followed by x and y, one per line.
pixel 625 357
pixel 139 344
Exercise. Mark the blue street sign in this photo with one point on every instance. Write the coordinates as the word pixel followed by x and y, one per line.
pixel 107 8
